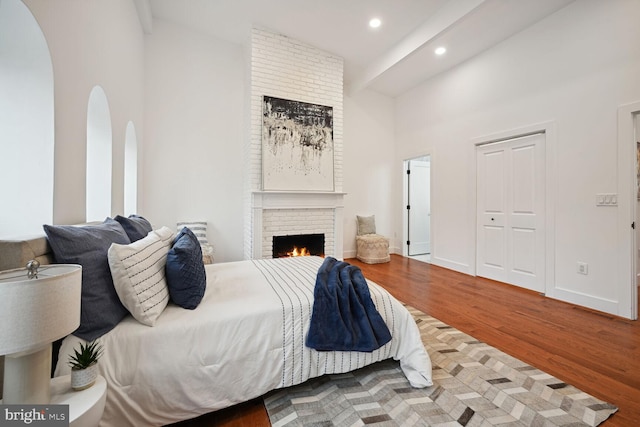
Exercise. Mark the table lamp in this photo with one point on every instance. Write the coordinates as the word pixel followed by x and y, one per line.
pixel 37 307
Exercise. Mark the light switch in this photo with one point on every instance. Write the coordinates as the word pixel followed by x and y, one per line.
pixel 606 199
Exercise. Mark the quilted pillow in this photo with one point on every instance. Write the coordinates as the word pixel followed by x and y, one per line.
pixel 138 274
pixel 186 275
pixel 88 245
pixel 135 226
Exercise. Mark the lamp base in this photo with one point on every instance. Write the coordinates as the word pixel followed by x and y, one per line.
pixel 27 377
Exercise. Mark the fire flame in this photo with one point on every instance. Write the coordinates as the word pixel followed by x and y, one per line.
pixel 299 252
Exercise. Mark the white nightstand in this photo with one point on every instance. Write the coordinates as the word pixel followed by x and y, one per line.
pixel 86 406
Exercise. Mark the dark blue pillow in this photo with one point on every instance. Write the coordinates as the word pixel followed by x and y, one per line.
pixel 184 271
pixel 135 226
pixel 88 245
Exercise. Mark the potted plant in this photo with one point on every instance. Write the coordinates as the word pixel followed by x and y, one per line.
pixel 84 365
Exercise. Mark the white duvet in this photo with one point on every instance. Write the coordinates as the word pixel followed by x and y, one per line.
pixel 245 338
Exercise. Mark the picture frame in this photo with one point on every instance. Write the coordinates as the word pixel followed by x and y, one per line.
pixel 297 146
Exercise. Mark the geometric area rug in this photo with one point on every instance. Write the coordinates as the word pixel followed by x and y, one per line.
pixel 474 385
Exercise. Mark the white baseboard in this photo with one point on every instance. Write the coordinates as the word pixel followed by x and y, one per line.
pixel 349 254
pixel 451 265
pixel 584 300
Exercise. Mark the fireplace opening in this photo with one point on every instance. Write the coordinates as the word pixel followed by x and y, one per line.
pixel 298 245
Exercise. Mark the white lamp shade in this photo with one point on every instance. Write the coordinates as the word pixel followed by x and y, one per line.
pixel 36 312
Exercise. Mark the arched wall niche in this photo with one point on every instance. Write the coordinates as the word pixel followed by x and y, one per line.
pixel 26 123
pixel 99 156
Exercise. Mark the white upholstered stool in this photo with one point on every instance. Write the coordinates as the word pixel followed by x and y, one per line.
pixel 372 248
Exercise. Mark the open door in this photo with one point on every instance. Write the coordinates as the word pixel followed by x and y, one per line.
pixel 418 216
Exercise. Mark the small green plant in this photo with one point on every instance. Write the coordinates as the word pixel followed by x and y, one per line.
pixel 88 354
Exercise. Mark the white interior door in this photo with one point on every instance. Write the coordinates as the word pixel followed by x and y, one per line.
pixel 419 211
pixel 510 212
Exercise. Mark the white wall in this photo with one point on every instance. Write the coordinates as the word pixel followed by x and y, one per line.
pixel 130 170
pixel 193 155
pixel 91 43
pixel 368 166
pixel 573 69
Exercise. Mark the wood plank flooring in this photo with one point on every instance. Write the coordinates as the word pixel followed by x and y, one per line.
pixel 595 352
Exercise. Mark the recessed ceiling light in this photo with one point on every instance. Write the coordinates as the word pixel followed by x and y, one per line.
pixel 441 50
pixel 375 23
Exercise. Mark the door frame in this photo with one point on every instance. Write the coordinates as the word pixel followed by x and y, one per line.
pixel 550 132
pixel 405 193
pixel 627 211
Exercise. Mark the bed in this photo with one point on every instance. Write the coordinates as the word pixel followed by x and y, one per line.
pixel 246 337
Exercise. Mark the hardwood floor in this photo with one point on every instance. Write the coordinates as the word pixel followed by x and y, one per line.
pixel 595 352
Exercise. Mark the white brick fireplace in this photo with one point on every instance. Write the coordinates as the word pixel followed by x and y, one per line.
pixel 290 213
pixel 286 68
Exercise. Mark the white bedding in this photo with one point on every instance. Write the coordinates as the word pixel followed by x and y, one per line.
pixel 244 339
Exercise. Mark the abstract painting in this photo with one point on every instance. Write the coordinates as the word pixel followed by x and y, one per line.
pixel 297 146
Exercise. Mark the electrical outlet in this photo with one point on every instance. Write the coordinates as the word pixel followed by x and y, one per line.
pixel 583 268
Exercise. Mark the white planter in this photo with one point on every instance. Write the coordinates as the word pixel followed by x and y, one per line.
pixel 84 378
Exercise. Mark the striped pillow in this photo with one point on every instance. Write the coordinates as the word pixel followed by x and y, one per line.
pixel 138 274
pixel 199 228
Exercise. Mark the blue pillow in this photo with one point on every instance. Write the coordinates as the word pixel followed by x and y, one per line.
pixel 88 245
pixel 135 226
pixel 186 277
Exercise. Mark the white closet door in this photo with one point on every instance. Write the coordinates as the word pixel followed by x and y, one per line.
pixel 510 212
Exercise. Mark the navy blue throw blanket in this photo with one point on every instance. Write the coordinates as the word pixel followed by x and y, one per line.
pixel 344 317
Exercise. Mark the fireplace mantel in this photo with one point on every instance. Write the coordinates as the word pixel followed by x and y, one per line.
pixel 297 199
pixel 293 200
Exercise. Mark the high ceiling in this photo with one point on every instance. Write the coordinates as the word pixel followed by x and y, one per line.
pixel 390 59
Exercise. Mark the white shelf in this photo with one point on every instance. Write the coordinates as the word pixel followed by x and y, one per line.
pixel 85 406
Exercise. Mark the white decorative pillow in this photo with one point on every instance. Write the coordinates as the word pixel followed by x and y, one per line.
pixel 138 274
pixel 199 228
pixel 366 225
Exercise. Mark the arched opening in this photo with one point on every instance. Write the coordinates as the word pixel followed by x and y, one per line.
pixel 130 170
pixel 26 123
pixel 99 153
